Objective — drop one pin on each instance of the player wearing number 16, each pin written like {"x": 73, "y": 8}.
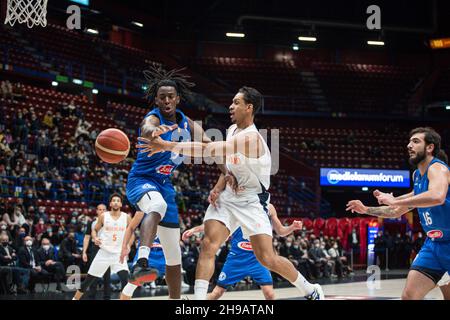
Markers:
{"x": 431, "y": 197}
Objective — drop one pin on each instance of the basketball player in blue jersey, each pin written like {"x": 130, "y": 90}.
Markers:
{"x": 241, "y": 262}
{"x": 431, "y": 197}
{"x": 149, "y": 188}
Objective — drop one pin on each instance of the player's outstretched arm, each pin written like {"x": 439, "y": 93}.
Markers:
{"x": 278, "y": 226}
{"x": 383, "y": 211}
{"x": 248, "y": 144}
{"x": 188, "y": 233}
{"x": 128, "y": 238}
{"x": 438, "y": 176}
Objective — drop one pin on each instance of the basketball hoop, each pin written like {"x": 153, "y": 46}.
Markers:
{"x": 31, "y": 12}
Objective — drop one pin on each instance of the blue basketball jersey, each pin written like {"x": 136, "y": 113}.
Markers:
{"x": 239, "y": 245}
{"x": 435, "y": 220}
{"x": 161, "y": 165}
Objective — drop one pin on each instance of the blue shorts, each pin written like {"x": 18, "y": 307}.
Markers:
{"x": 236, "y": 269}
{"x": 433, "y": 259}
{"x": 139, "y": 186}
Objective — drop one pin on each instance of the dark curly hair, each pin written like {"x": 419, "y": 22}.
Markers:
{"x": 158, "y": 77}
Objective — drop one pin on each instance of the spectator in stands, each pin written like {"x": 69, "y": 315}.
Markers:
{"x": 29, "y": 259}
{"x": 68, "y": 252}
{"x": 20, "y": 234}
{"x": 39, "y": 229}
{"x": 320, "y": 260}
{"x": 380, "y": 249}
{"x": 82, "y": 129}
{"x": 57, "y": 120}
{"x": 333, "y": 251}
{"x": 35, "y": 124}
{"x": 8, "y": 258}
{"x": 7, "y": 90}
{"x": 47, "y": 261}
{"x": 48, "y": 120}
{"x": 190, "y": 253}
{"x": 408, "y": 248}
{"x": 353, "y": 241}
{"x": 72, "y": 108}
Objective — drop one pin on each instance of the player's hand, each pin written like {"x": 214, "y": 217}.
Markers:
{"x": 297, "y": 225}
{"x": 386, "y": 199}
{"x": 85, "y": 257}
{"x": 152, "y": 146}
{"x": 356, "y": 206}
{"x": 231, "y": 180}
{"x": 98, "y": 241}
{"x": 213, "y": 197}
{"x": 163, "y": 129}
{"x": 187, "y": 234}
{"x": 124, "y": 253}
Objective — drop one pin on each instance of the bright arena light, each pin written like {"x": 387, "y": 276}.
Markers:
{"x": 54, "y": 83}
{"x": 309, "y": 39}
{"x": 77, "y": 81}
{"x": 447, "y": 108}
{"x": 235, "y": 34}
{"x": 94, "y": 91}
{"x": 375, "y": 43}
{"x": 93, "y": 31}
{"x": 139, "y": 24}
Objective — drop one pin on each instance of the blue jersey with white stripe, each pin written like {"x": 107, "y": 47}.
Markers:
{"x": 435, "y": 220}
{"x": 161, "y": 165}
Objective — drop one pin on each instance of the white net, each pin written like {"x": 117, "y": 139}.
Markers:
{"x": 31, "y": 12}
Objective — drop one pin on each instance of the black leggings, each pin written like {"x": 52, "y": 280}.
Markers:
{"x": 90, "y": 279}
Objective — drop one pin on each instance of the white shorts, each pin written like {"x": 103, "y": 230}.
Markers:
{"x": 104, "y": 260}
{"x": 250, "y": 215}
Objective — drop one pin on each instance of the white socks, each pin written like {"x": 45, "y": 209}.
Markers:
{"x": 128, "y": 290}
{"x": 303, "y": 285}
{"x": 200, "y": 289}
{"x": 144, "y": 252}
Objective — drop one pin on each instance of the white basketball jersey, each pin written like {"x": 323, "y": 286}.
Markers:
{"x": 252, "y": 174}
{"x": 113, "y": 232}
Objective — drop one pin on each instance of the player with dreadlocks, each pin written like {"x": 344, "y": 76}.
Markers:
{"x": 149, "y": 187}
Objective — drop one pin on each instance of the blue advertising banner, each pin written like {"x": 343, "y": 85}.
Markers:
{"x": 340, "y": 177}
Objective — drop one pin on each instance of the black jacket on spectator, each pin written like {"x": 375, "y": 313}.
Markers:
{"x": 25, "y": 257}
{"x": 66, "y": 248}
{"x": 44, "y": 256}
{"x": 6, "y": 261}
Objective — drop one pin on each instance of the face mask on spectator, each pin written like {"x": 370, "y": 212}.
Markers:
{"x": 46, "y": 247}
{"x": 275, "y": 243}
{"x": 49, "y": 230}
{"x": 4, "y": 227}
{"x": 295, "y": 246}
{"x": 288, "y": 244}
{"x": 60, "y": 233}
{"x": 41, "y": 221}
{"x": 29, "y": 243}
{"x": 22, "y": 234}
{"x": 73, "y": 221}
{"x": 52, "y": 220}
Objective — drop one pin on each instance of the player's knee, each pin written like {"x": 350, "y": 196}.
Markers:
{"x": 408, "y": 294}
{"x": 153, "y": 202}
{"x": 209, "y": 246}
{"x": 268, "y": 260}
{"x": 269, "y": 294}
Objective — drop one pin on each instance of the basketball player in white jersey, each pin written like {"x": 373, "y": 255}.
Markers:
{"x": 248, "y": 159}
{"x": 113, "y": 224}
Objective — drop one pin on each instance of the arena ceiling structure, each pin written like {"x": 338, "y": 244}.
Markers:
{"x": 405, "y": 25}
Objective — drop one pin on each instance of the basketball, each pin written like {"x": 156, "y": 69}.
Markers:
{"x": 112, "y": 145}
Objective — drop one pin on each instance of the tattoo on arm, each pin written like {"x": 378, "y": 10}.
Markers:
{"x": 384, "y": 212}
